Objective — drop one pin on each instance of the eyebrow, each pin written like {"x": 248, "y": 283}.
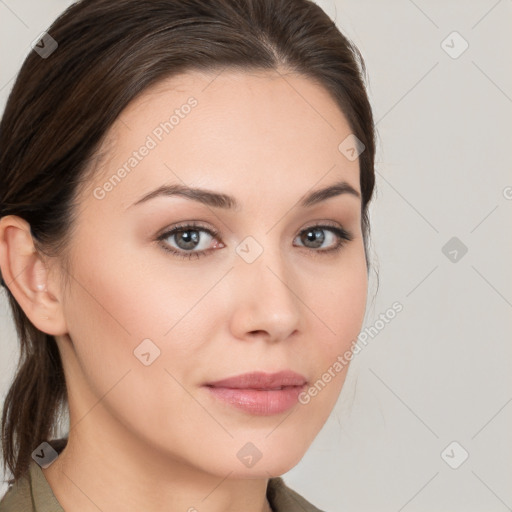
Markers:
{"x": 219, "y": 200}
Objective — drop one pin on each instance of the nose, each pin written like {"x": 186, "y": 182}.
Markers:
{"x": 265, "y": 302}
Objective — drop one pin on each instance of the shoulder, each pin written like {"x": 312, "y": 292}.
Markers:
{"x": 284, "y": 499}
{"x": 32, "y": 493}
{"x": 18, "y": 497}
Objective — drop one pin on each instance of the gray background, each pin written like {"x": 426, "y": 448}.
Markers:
{"x": 439, "y": 372}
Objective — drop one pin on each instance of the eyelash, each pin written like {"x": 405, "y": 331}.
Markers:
{"x": 343, "y": 236}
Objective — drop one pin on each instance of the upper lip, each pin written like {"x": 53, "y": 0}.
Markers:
{"x": 261, "y": 380}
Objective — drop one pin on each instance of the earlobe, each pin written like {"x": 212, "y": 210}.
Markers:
{"x": 26, "y": 275}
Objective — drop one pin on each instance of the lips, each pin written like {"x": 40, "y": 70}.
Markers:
{"x": 259, "y": 393}
{"x": 261, "y": 380}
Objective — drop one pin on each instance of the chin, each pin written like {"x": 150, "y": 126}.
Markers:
{"x": 271, "y": 466}
{"x": 247, "y": 462}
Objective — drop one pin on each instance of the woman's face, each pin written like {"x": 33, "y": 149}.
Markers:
{"x": 248, "y": 288}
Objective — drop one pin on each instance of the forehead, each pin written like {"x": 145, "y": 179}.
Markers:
{"x": 259, "y": 131}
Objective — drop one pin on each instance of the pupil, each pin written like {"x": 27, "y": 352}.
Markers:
{"x": 190, "y": 237}
{"x": 312, "y": 236}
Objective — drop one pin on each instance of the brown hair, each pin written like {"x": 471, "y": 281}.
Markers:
{"x": 61, "y": 107}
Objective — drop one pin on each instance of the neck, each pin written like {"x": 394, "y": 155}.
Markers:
{"x": 115, "y": 474}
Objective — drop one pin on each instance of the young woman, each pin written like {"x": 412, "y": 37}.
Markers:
{"x": 184, "y": 189}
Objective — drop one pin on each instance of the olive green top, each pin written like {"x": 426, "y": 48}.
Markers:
{"x": 32, "y": 493}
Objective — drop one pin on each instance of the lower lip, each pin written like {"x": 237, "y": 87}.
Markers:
{"x": 259, "y": 402}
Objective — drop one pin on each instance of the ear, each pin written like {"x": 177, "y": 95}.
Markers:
{"x": 26, "y": 275}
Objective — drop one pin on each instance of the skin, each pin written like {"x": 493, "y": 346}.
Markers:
{"x": 151, "y": 437}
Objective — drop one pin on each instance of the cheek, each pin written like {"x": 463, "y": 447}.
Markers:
{"x": 339, "y": 300}
{"x": 118, "y": 300}
{"x": 336, "y": 321}
{"x": 121, "y": 309}
{"x": 109, "y": 316}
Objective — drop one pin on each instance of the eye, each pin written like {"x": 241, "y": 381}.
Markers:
{"x": 188, "y": 238}
{"x": 315, "y": 236}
